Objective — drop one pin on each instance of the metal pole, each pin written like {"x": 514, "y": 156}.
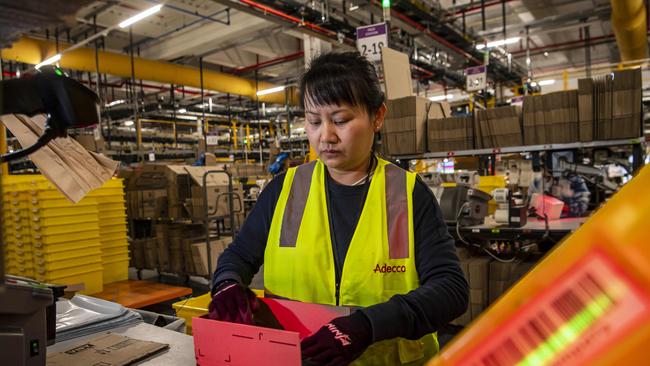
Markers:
{"x": 205, "y": 129}
{"x": 257, "y": 106}
{"x": 587, "y": 52}
{"x": 138, "y": 125}
{"x": 286, "y": 105}
{"x": 483, "y": 14}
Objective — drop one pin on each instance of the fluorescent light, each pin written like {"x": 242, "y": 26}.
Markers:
{"x": 271, "y": 90}
{"x": 128, "y": 123}
{"x": 182, "y": 110}
{"x": 354, "y": 7}
{"x": 533, "y": 84}
{"x": 114, "y": 103}
{"x": 49, "y": 61}
{"x": 545, "y": 53}
{"x": 138, "y": 17}
{"x": 527, "y": 60}
{"x": 440, "y": 98}
{"x": 546, "y": 82}
{"x": 501, "y": 42}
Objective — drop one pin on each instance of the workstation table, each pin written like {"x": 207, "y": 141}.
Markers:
{"x": 137, "y": 294}
{"x": 534, "y": 229}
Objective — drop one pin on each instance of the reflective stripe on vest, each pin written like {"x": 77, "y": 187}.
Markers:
{"x": 380, "y": 263}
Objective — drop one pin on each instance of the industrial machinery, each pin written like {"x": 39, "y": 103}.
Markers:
{"x": 597, "y": 176}
{"x": 463, "y": 205}
{"x": 24, "y": 330}
{"x": 507, "y": 212}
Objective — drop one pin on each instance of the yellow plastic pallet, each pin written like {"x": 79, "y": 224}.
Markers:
{"x": 66, "y": 229}
{"x": 69, "y": 271}
{"x": 45, "y": 239}
{"x": 67, "y": 254}
{"x": 92, "y": 280}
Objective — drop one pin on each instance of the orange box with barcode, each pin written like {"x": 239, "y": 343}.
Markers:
{"x": 586, "y": 303}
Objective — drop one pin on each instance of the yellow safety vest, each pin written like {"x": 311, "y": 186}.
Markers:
{"x": 299, "y": 261}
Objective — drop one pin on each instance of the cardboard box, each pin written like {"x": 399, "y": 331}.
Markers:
{"x": 106, "y": 349}
{"x": 500, "y": 127}
{"x": 91, "y": 143}
{"x": 200, "y": 254}
{"x": 449, "y": 134}
{"x": 586, "y": 109}
{"x": 150, "y": 253}
{"x": 405, "y": 128}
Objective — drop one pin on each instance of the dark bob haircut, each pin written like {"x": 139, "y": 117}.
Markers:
{"x": 341, "y": 78}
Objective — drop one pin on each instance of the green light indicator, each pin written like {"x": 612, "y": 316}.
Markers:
{"x": 58, "y": 72}
{"x": 385, "y": 3}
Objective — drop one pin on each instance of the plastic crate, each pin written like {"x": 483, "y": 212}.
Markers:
{"x": 20, "y": 271}
{"x": 111, "y": 244}
{"x": 67, "y": 229}
{"x": 85, "y": 235}
{"x": 116, "y": 250}
{"x": 196, "y": 307}
{"x": 20, "y": 263}
{"x": 92, "y": 280}
{"x": 107, "y": 192}
{"x": 113, "y": 234}
{"x": 17, "y": 244}
{"x": 107, "y": 258}
{"x": 112, "y": 221}
{"x": 46, "y": 249}
{"x": 119, "y": 206}
{"x": 66, "y": 220}
{"x": 88, "y": 266}
{"x": 116, "y": 270}
{"x": 64, "y": 211}
{"x": 47, "y": 264}
{"x": 110, "y": 199}
{"x": 60, "y": 203}
{"x": 62, "y": 255}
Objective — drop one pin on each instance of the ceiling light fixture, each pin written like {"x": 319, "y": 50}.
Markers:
{"x": 182, "y": 110}
{"x": 501, "y": 42}
{"x": 114, "y": 103}
{"x": 271, "y": 90}
{"x": 440, "y": 98}
{"x": 138, "y": 17}
{"x": 128, "y": 123}
{"x": 353, "y": 7}
{"x": 49, "y": 61}
{"x": 546, "y": 82}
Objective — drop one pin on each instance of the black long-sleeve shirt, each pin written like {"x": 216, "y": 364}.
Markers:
{"x": 443, "y": 292}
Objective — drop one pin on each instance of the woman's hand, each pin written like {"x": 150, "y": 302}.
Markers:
{"x": 232, "y": 302}
{"x": 339, "y": 342}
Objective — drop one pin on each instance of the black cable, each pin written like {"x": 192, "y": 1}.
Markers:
{"x": 48, "y": 135}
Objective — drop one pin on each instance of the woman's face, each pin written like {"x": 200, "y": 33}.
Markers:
{"x": 342, "y": 135}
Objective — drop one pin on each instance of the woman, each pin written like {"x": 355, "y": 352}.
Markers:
{"x": 349, "y": 229}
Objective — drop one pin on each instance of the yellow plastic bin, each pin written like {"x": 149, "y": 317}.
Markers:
{"x": 92, "y": 280}
{"x": 84, "y": 235}
{"x": 116, "y": 270}
{"x": 197, "y": 306}
{"x": 487, "y": 184}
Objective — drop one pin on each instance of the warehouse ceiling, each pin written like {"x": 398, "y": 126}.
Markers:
{"x": 264, "y": 38}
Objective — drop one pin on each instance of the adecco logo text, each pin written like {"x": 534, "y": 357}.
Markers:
{"x": 388, "y": 269}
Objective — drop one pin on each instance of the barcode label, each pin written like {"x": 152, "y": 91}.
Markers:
{"x": 585, "y": 310}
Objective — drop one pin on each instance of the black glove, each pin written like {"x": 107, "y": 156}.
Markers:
{"x": 339, "y": 342}
{"x": 232, "y": 302}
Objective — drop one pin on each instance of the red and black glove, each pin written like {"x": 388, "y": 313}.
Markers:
{"x": 339, "y": 342}
{"x": 232, "y": 302}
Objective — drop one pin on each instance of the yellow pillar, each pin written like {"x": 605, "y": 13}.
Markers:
{"x": 248, "y": 137}
{"x": 138, "y": 134}
{"x": 565, "y": 79}
{"x": 3, "y": 148}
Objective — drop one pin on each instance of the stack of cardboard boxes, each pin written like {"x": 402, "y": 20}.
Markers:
{"x": 617, "y": 105}
{"x": 453, "y": 133}
{"x": 498, "y": 127}
{"x": 487, "y": 280}
{"x": 551, "y": 118}
{"x": 405, "y": 126}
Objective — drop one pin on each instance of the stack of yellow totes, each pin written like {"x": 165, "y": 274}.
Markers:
{"x": 53, "y": 240}
{"x": 113, "y": 230}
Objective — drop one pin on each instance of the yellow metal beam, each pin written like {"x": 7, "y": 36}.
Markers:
{"x": 33, "y": 51}
{"x": 3, "y": 148}
{"x": 630, "y": 29}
